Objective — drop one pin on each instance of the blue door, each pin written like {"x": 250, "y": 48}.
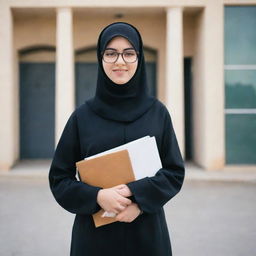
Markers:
{"x": 86, "y": 78}
{"x": 37, "y": 110}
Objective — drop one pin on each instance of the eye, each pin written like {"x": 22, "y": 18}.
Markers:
{"x": 110, "y": 53}
{"x": 130, "y": 53}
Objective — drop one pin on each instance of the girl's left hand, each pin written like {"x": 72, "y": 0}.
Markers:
{"x": 129, "y": 214}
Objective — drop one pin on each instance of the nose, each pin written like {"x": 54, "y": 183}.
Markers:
{"x": 120, "y": 60}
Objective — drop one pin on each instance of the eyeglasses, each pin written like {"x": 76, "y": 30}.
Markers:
{"x": 111, "y": 56}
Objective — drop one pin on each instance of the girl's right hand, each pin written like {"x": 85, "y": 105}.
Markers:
{"x": 111, "y": 201}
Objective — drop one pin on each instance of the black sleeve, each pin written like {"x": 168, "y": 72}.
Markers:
{"x": 151, "y": 193}
{"x": 73, "y": 195}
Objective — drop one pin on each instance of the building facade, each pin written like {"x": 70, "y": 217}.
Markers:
{"x": 200, "y": 57}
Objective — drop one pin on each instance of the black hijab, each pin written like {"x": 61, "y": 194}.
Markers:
{"x": 125, "y": 102}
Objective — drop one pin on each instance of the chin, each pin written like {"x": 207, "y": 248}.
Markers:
{"x": 119, "y": 82}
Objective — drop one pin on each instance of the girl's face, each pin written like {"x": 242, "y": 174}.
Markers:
{"x": 120, "y": 72}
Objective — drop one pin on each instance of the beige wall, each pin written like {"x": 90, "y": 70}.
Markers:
{"x": 34, "y": 30}
{"x": 119, "y": 3}
{"x": 189, "y": 29}
{"x": 106, "y": 3}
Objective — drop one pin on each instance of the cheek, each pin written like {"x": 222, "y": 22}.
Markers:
{"x": 106, "y": 67}
{"x": 133, "y": 68}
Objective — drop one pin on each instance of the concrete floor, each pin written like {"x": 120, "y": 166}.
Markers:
{"x": 208, "y": 217}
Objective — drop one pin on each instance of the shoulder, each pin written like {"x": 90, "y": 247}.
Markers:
{"x": 79, "y": 111}
{"x": 77, "y": 115}
{"x": 161, "y": 108}
{"x": 163, "y": 113}
{"x": 159, "y": 104}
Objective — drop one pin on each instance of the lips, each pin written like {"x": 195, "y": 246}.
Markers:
{"x": 120, "y": 72}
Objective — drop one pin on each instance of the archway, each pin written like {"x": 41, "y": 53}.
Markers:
{"x": 37, "y": 102}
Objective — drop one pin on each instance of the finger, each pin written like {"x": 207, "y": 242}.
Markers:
{"x": 121, "y": 186}
{"x": 121, "y": 192}
{"x": 119, "y": 208}
{"x": 126, "y": 201}
{"x": 124, "y": 205}
{"x": 125, "y": 192}
{"x": 123, "y": 198}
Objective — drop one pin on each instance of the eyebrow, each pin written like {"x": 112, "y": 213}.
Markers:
{"x": 108, "y": 48}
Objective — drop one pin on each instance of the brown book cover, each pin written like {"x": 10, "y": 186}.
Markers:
{"x": 106, "y": 171}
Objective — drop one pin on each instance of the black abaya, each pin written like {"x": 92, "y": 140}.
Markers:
{"x": 90, "y": 130}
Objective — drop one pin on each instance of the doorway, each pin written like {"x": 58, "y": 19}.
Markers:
{"x": 37, "y": 103}
{"x": 188, "y": 109}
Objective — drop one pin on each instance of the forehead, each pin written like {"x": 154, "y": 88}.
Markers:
{"x": 119, "y": 42}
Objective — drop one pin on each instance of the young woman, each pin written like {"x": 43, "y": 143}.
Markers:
{"x": 121, "y": 111}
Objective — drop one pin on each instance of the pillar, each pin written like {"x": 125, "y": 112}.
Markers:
{"x": 65, "y": 99}
{"x": 208, "y": 88}
{"x": 8, "y": 92}
{"x": 174, "y": 71}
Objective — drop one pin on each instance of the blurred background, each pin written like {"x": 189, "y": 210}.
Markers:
{"x": 201, "y": 62}
{"x": 200, "y": 57}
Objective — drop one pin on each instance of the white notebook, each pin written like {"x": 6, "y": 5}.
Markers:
{"x": 144, "y": 156}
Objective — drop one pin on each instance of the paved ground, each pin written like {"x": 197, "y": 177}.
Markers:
{"x": 207, "y": 218}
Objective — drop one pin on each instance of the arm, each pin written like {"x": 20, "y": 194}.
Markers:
{"x": 151, "y": 193}
{"x": 71, "y": 194}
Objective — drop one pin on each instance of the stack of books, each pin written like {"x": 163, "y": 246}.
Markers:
{"x": 121, "y": 165}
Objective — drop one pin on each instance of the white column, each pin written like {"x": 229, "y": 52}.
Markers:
{"x": 8, "y": 92}
{"x": 174, "y": 71}
{"x": 208, "y": 88}
{"x": 64, "y": 69}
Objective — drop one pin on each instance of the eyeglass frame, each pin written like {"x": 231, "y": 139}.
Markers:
{"x": 118, "y": 54}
